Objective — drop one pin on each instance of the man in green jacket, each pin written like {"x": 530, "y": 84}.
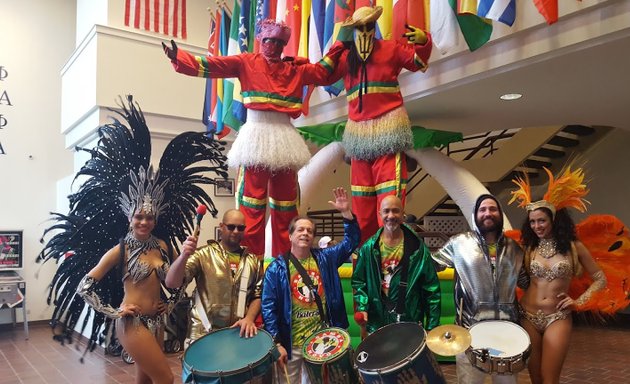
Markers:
{"x": 394, "y": 278}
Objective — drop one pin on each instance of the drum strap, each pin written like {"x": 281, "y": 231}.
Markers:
{"x": 201, "y": 311}
{"x": 242, "y": 289}
{"x": 309, "y": 283}
{"x": 402, "y": 286}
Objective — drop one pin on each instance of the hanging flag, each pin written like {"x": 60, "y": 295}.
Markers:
{"x": 499, "y": 10}
{"x": 317, "y": 26}
{"x": 476, "y": 30}
{"x": 217, "y": 114}
{"x": 208, "y": 104}
{"x": 231, "y": 86}
{"x": 444, "y": 28}
{"x": 290, "y": 11}
{"x": 385, "y": 21}
{"x": 411, "y": 12}
{"x": 337, "y": 11}
{"x": 549, "y": 10}
{"x": 167, "y": 17}
{"x": 399, "y": 18}
{"x": 245, "y": 45}
{"x": 305, "y": 13}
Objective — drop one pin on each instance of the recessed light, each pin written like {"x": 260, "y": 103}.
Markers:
{"x": 511, "y": 96}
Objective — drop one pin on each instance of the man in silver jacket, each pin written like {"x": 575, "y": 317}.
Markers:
{"x": 488, "y": 267}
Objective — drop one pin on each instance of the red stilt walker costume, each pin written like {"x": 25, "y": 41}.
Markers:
{"x": 378, "y": 130}
{"x": 268, "y": 150}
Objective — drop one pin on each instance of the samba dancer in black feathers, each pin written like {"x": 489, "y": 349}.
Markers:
{"x": 125, "y": 209}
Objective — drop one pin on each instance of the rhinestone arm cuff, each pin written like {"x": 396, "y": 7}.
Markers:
{"x": 86, "y": 289}
{"x": 599, "y": 283}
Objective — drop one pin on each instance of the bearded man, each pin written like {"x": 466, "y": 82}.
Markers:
{"x": 488, "y": 268}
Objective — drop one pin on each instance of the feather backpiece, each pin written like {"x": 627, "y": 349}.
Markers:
{"x": 96, "y": 219}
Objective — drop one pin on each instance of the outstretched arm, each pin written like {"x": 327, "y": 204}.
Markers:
{"x": 341, "y": 203}
{"x": 171, "y": 52}
{"x": 417, "y": 58}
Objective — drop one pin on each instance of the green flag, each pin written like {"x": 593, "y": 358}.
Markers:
{"x": 476, "y": 30}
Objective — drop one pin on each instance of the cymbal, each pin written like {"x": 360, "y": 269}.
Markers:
{"x": 448, "y": 340}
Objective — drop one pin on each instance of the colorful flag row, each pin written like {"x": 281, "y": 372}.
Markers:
{"x": 316, "y": 24}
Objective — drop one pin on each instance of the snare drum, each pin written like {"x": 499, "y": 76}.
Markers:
{"x": 327, "y": 357}
{"x": 224, "y": 357}
{"x": 397, "y": 353}
{"x": 498, "y": 347}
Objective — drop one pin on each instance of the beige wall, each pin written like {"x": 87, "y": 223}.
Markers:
{"x": 37, "y": 39}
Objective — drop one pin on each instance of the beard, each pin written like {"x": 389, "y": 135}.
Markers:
{"x": 489, "y": 227}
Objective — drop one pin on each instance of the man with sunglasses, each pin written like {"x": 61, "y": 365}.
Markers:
{"x": 220, "y": 269}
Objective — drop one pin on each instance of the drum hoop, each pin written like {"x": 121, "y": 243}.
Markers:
{"x": 200, "y": 372}
{"x": 338, "y": 357}
{"x": 334, "y": 360}
{"x": 396, "y": 366}
{"x": 511, "y": 323}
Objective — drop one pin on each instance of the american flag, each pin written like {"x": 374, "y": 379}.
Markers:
{"x": 167, "y": 17}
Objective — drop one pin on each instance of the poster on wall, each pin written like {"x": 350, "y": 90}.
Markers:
{"x": 10, "y": 250}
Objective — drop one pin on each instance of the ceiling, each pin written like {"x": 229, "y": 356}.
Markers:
{"x": 576, "y": 71}
{"x": 588, "y": 86}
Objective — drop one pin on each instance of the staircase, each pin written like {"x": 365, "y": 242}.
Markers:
{"x": 552, "y": 153}
{"x": 497, "y": 156}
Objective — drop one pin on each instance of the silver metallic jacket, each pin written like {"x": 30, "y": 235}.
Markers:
{"x": 485, "y": 293}
{"x": 217, "y": 289}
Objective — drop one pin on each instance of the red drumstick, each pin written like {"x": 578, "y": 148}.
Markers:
{"x": 358, "y": 317}
{"x": 201, "y": 210}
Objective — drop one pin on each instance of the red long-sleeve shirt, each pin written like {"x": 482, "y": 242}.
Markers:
{"x": 385, "y": 63}
{"x": 265, "y": 86}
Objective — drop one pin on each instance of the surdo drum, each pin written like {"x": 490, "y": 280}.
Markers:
{"x": 397, "y": 353}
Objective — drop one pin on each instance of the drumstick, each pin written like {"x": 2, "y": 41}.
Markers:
{"x": 461, "y": 307}
{"x": 286, "y": 374}
{"x": 201, "y": 210}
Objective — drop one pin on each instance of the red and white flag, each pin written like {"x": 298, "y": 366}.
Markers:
{"x": 167, "y": 17}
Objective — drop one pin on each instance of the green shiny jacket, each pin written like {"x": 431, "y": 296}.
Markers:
{"x": 422, "y": 303}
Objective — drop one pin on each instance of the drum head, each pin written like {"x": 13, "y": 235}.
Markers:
{"x": 326, "y": 345}
{"x": 501, "y": 338}
{"x": 389, "y": 346}
{"x": 225, "y": 351}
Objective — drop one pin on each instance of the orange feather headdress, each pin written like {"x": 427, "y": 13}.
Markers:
{"x": 566, "y": 190}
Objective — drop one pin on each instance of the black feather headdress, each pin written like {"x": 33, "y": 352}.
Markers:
{"x": 114, "y": 182}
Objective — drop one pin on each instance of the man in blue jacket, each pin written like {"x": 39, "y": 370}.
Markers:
{"x": 293, "y": 307}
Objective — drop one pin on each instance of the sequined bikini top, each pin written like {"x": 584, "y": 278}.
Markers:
{"x": 138, "y": 269}
{"x": 561, "y": 269}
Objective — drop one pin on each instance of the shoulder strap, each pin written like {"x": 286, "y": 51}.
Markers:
{"x": 309, "y": 283}
{"x": 404, "y": 277}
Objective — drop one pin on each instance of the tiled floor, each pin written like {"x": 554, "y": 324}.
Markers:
{"x": 597, "y": 355}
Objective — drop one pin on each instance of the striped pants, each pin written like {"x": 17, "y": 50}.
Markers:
{"x": 371, "y": 182}
{"x": 256, "y": 187}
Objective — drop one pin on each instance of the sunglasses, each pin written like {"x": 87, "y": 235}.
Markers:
{"x": 231, "y": 227}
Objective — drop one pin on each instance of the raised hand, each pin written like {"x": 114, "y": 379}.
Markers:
{"x": 415, "y": 35}
{"x": 189, "y": 246}
{"x": 171, "y": 52}
{"x": 341, "y": 203}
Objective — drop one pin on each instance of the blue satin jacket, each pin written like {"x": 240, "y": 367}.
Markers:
{"x": 276, "y": 294}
